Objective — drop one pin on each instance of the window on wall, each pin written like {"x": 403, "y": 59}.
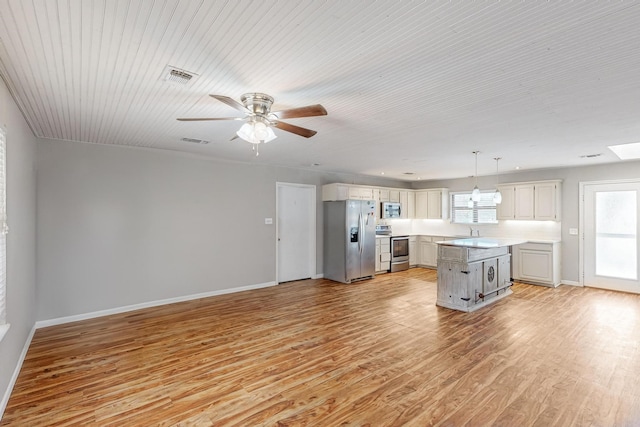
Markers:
{"x": 3, "y": 234}
{"x": 466, "y": 211}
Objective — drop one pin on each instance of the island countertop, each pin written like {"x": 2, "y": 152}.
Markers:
{"x": 482, "y": 242}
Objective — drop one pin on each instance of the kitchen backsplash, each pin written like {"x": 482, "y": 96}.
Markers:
{"x": 541, "y": 230}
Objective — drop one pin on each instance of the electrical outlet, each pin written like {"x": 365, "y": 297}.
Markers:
{"x": 573, "y": 231}
{"x": 268, "y": 221}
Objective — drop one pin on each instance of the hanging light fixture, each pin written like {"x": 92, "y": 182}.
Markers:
{"x": 497, "y": 196}
{"x": 256, "y": 132}
{"x": 475, "y": 194}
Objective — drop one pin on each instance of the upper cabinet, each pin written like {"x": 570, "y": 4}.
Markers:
{"x": 539, "y": 201}
{"x": 432, "y": 204}
{"x": 346, "y": 192}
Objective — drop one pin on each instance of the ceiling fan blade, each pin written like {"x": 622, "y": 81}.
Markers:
{"x": 190, "y": 119}
{"x": 308, "y": 111}
{"x": 231, "y": 103}
{"x": 307, "y": 133}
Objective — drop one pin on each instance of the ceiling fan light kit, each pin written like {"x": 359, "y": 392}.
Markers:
{"x": 260, "y": 120}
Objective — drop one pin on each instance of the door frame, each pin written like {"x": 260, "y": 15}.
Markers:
{"x": 581, "y": 207}
{"x": 312, "y": 263}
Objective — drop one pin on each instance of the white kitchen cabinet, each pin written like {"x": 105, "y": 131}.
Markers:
{"x": 546, "y": 207}
{"x": 432, "y": 204}
{"x": 428, "y": 251}
{"x": 394, "y": 196}
{"x": 383, "y": 254}
{"x": 539, "y": 201}
{"x": 411, "y": 205}
{"x": 524, "y": 200}
{"x": 506, "y": 209}
{"x": 404, "y": 204}
{"x": 413, "y": 251}
{"x": 338, "y": 191}
{"x": 384, "y": 194}
{"x": 537, "y": 263}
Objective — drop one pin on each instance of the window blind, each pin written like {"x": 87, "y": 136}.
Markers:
{"x": 3, "y": 228}
{"x": 463, "y": 211}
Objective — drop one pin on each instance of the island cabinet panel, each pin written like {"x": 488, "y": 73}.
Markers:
{"x": 461, "y": 282}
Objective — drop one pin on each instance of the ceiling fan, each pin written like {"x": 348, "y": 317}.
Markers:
{"x": 259, "y": 119}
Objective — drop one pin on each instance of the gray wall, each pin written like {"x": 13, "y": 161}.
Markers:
{"x": 572, "y": 177}
{"x": 120, "y": 226}
{"x": 21, "y": 240}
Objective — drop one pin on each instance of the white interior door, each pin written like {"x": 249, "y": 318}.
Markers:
{"x": 611, "y": 244}
{"x": 296, "y": 231}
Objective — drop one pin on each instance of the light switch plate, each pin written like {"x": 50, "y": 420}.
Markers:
{"x": 268, "y": 221}
{"x": 573, "y": 231}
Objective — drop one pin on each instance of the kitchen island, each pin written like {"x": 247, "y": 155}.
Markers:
{"x": 474, "y": 272}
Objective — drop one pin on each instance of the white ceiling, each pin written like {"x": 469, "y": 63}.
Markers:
{"x": 409, "y": 86}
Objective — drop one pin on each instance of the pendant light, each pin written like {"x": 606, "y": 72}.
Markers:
{"x": 475, "y": 194}
{"x": 497, "y": 196}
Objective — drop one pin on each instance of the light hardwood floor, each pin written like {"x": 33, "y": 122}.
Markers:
{"x": 316, "y": 352}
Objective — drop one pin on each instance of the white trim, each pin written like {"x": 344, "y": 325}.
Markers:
{"x": 124, "y": 309}
{"x": 318, "y": 276}
{"x": 571, "y": 283}
{"x": 16, "y": 372}
{"x": 312, "y": 232}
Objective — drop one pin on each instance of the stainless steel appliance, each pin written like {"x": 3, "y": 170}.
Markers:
{"x": 349, "y": 240}
{"x": 390, "y": 210}
{"x": 399, "y": 253}
{"x": 383, "y": 230}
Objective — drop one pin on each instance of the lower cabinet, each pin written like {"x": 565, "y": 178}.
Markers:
{"x": 383, "y": 254}
{"x": 413, "y": 251}
{"x": 537, "y": 263}
{"x": 428, "y": 251}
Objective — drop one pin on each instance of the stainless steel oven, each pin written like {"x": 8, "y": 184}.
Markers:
{"x": 399, "y": 253}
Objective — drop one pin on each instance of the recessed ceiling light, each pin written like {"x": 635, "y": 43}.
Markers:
{"x": 381, "y": 173}
{"x": 626, "y": 151}
{"x": 517, "y": 167}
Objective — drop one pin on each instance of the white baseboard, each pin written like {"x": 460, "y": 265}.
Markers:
{"x": 118, "y": 310}
{"x": 16, "y": 372}
{"x": 570, "y": 283}
{"x": 318, "y": 276}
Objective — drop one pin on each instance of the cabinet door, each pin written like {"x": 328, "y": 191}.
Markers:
{"x": 411, "y": 204}
{"x": 366, "y": 193}
{"x": 384, "y": 195}
{"x": 524, "y": 200}
{"x": 394, "y": 196}
{"x": 545, "y": 202}
{"x": 506, "y": 209}
{"x": 434, "y": 204}
{"x": 421, "y": 204}
{"x": 404, "y": 204}
{"x": 377, "y": 254}
{"x": 413, "y": 254}
{"x": 536, "y": 266}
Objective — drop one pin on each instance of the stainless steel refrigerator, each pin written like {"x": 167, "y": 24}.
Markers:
{"x": 349, "y": 240}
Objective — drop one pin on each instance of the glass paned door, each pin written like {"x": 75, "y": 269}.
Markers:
{"x": 611, "y": 245}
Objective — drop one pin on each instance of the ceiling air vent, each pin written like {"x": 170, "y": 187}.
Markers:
{"x": 194, "y": 141}
{"x": 177, "y": 76}
{"x": 591, "y": 156}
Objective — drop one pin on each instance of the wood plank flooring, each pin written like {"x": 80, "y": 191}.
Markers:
{"x": 315, "y": 352}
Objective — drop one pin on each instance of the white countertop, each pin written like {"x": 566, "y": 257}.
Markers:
{"x": 482, "y": 242}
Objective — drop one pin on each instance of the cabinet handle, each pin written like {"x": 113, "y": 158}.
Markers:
{"x": 465, "y": 299}
{"x": 464, "y": 272}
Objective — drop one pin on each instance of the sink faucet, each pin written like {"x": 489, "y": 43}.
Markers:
{"x": 471, "y": 230}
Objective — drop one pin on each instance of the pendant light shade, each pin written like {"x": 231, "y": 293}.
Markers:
{"x": 497, "y": 196}
{"x": 256, "y": 132}
{"x": 475, "y": 194}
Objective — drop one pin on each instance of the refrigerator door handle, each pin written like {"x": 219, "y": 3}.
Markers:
{"x": 360, "y": 230}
